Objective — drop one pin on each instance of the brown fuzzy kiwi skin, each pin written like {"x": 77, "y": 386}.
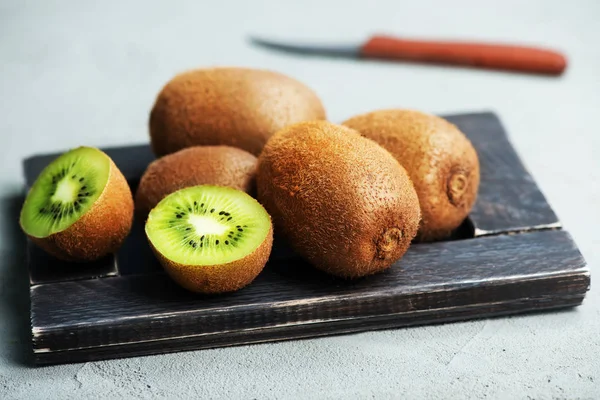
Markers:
{"x": 342, "y": 201}
{"x": 440, "y": 159}
{"x": 223, "y": 278}
{"x": 101, "y": 230}
{"x": 198, "y": 165}
{"x": 238, "y": 107}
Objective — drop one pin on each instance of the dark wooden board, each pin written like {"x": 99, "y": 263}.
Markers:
{"x": 510, "y": 256}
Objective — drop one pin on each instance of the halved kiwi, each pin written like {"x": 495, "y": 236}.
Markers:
{"x": 210, "y": 239}
{"x": 80, "y": 207}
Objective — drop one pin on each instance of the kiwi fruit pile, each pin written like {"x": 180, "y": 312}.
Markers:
{"x": 245, "y": 153}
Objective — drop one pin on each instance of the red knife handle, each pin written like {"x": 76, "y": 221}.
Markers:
{"x": 493, "y": 56}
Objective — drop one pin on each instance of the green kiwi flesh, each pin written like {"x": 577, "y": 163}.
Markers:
{"x": 207, "y": 225}
{"x": 64, "y": 191}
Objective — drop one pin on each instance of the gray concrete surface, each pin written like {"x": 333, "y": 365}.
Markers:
{"x": 86, "y": 72}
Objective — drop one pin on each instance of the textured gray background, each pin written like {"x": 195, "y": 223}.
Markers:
{"x": 86, "y": 72}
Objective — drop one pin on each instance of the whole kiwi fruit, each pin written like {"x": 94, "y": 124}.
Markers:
{"x": 238, "y": 107}
{"x": 210, "y": 239}
{"x": 342, "y": 201}
{"x": 80, "y": 207}
{"x": 198, "y": 165}
{"x": 439, "y": 158}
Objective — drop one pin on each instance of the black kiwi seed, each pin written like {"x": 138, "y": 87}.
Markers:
{"x": 83, "y": 187}
{"x": 74, "y": 176}
{"x": 227, "y": 242}
{"x": 212, "y": 211}
{"x": 195, "y": 203}
{"x": 217, "y": 241}
{"x": 229, "y": 219}
{"x": 202, "y": 238}
{"x": 189, "y": 209}
{"x": 178, "y": 216}
{"x": 202, "y": 205}
{"x": 240, "y": 230}
{"x": 236, "y": 239}
{"x": 221, "y": 212}
{"x": 188, "y": 229}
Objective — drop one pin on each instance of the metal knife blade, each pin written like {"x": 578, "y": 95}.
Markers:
{"x": 309, "y": 49}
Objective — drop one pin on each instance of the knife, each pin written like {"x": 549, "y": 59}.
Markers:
{"x": 473, "y": 54}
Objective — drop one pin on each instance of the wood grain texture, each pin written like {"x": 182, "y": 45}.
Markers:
{"x": 311, "y": 330}
{"x": 433, "y": 283}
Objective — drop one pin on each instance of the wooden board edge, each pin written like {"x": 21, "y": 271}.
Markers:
{"x": 574, "y": 286}
{"x": 268, "y": 335}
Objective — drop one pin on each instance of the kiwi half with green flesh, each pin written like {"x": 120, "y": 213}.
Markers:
{"x": 342, "y": 201}
{"x": 193, "y": 166}
{"x": 240, "y": 107}
{"x": 210, "y": 239}
{"x": 80, "y": 207}
{"x": 440, "y": 160}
